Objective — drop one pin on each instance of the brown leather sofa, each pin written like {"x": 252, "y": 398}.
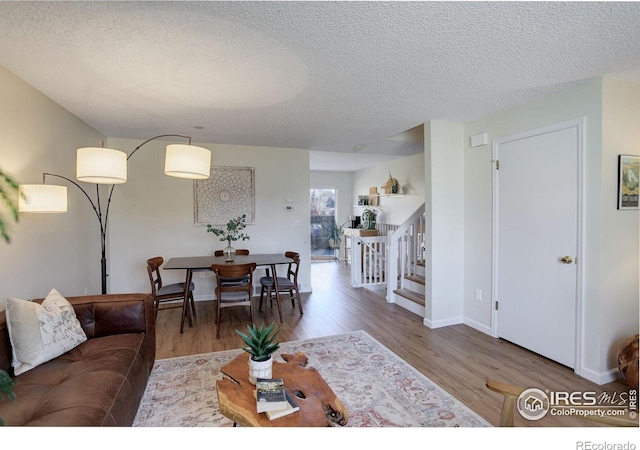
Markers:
{"x": 98, "y": 383}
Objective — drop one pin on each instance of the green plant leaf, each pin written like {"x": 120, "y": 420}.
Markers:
{"x": 7, "y": 186}
{"x": 233, "y": 230}
{"x": 261, "y": 341}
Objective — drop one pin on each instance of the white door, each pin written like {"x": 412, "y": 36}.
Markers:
{"x": 536, "y": 238}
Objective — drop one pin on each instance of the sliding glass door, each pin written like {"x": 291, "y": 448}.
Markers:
{"x": 323, "y": 218}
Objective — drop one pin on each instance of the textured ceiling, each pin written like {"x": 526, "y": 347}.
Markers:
{"x": 325, "y": 76}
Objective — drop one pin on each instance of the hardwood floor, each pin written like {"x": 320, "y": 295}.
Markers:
{"x": 458, "y": 358}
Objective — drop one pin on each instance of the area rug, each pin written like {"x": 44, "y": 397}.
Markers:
{"x": 378, "y": 388}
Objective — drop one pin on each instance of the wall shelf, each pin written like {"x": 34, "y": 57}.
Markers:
{"x": 387, "y": 195}
{"x": 378, "y": 195}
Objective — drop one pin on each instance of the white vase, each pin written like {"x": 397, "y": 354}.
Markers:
{"x": 259, "y": 369}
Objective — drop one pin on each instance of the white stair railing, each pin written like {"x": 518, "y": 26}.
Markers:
{"x": 368, "y": 262}
{"x": 406, "y": 251}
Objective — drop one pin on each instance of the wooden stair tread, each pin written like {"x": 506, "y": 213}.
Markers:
{"x": 415, "y": 278}
{"x": 411, "y": 295}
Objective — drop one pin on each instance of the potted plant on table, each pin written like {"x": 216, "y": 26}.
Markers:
{"x": 369, "y": 216}
{"x": 233, "y": 232}
{"x": 261, "y": 343}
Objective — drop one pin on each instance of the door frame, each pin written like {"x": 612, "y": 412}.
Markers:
{"x": 579, "y": 125}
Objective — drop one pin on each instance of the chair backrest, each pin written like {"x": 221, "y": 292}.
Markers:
{"x": 226, "y": 271}
{"x": 292, "y": 271}
{"x": 239, "y": 251}
{"x": 153, "y": 269}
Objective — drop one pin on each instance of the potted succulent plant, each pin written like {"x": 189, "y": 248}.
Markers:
{"x": 233, "y": 232}
{"x": 261, "y": 343}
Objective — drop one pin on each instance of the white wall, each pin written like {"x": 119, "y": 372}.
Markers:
{"x": 444, "y": 208}
{"x": 620, "y": 291}
{"x": 603, "y": 225}
{"x": 409, "y": 171}
{"x": 47, "y": 250}
{"x": 152, "y": 214}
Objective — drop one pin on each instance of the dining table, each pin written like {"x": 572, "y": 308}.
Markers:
{"x": 203, "y": 263}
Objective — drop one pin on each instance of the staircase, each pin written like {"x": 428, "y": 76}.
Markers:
{"x": 406, "y": 264}
{"x": 395, "y": 261}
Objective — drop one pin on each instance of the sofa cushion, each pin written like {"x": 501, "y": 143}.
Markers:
{"x": 98, "y": 383}
{"x": 39, "y": 333}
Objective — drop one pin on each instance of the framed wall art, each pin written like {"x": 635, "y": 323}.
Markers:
{"x": 229, "y": 192}
{"x": 628, "y": 177}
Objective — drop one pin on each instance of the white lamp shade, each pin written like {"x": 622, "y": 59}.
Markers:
{"x": 187, "y": 161}
{"x": 101, "y": 165}
{"x": 42, "y": 198}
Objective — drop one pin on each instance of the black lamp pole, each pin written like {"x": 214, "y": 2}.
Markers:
{"x": 103, "y": 220}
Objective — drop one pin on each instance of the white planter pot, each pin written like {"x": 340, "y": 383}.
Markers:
{"x": 259, "y": 369}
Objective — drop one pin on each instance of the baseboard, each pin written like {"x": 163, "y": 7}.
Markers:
{"x": 599, "y": 378}
{"x": 477, "y": 326}
{"x": 442, "y": 323}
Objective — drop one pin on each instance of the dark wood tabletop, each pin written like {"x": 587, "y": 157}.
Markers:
{"x": 319, "y": 406}
{"x": 205, "y": 262}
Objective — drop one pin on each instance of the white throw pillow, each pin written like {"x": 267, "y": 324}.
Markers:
{"x": 40, "y": 333}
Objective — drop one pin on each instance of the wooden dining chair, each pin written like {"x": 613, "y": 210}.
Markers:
{"x": 233, "y": 294}
{"x": 288, "y": 283}
{"x": 240, "y": 251}
{"x": 166, "y": 295}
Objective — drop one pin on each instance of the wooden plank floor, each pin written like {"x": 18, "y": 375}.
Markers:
{"x": 458, "y": 358}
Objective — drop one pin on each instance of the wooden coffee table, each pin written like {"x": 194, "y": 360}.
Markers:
{"x": 319, "y": 406}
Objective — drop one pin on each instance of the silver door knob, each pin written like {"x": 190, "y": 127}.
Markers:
{"x": 566, "y": 260}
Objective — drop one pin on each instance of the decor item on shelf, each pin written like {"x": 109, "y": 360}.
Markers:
{"x": 369, "y": 218}
{"x": 7, "y": 187}
{"x": 374, "y": 197}
{"x": 261, "y": 342}
{"x": 6, "y": 388}
{"x": 100, "y": 165}
{"x": 391, "y": 186}
{"x": 232, "y": 233}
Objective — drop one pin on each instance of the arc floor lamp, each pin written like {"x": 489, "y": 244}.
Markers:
{"x": 99, "y": 165}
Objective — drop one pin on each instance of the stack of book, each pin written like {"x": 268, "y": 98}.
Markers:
{"x": 273, "y": 399}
